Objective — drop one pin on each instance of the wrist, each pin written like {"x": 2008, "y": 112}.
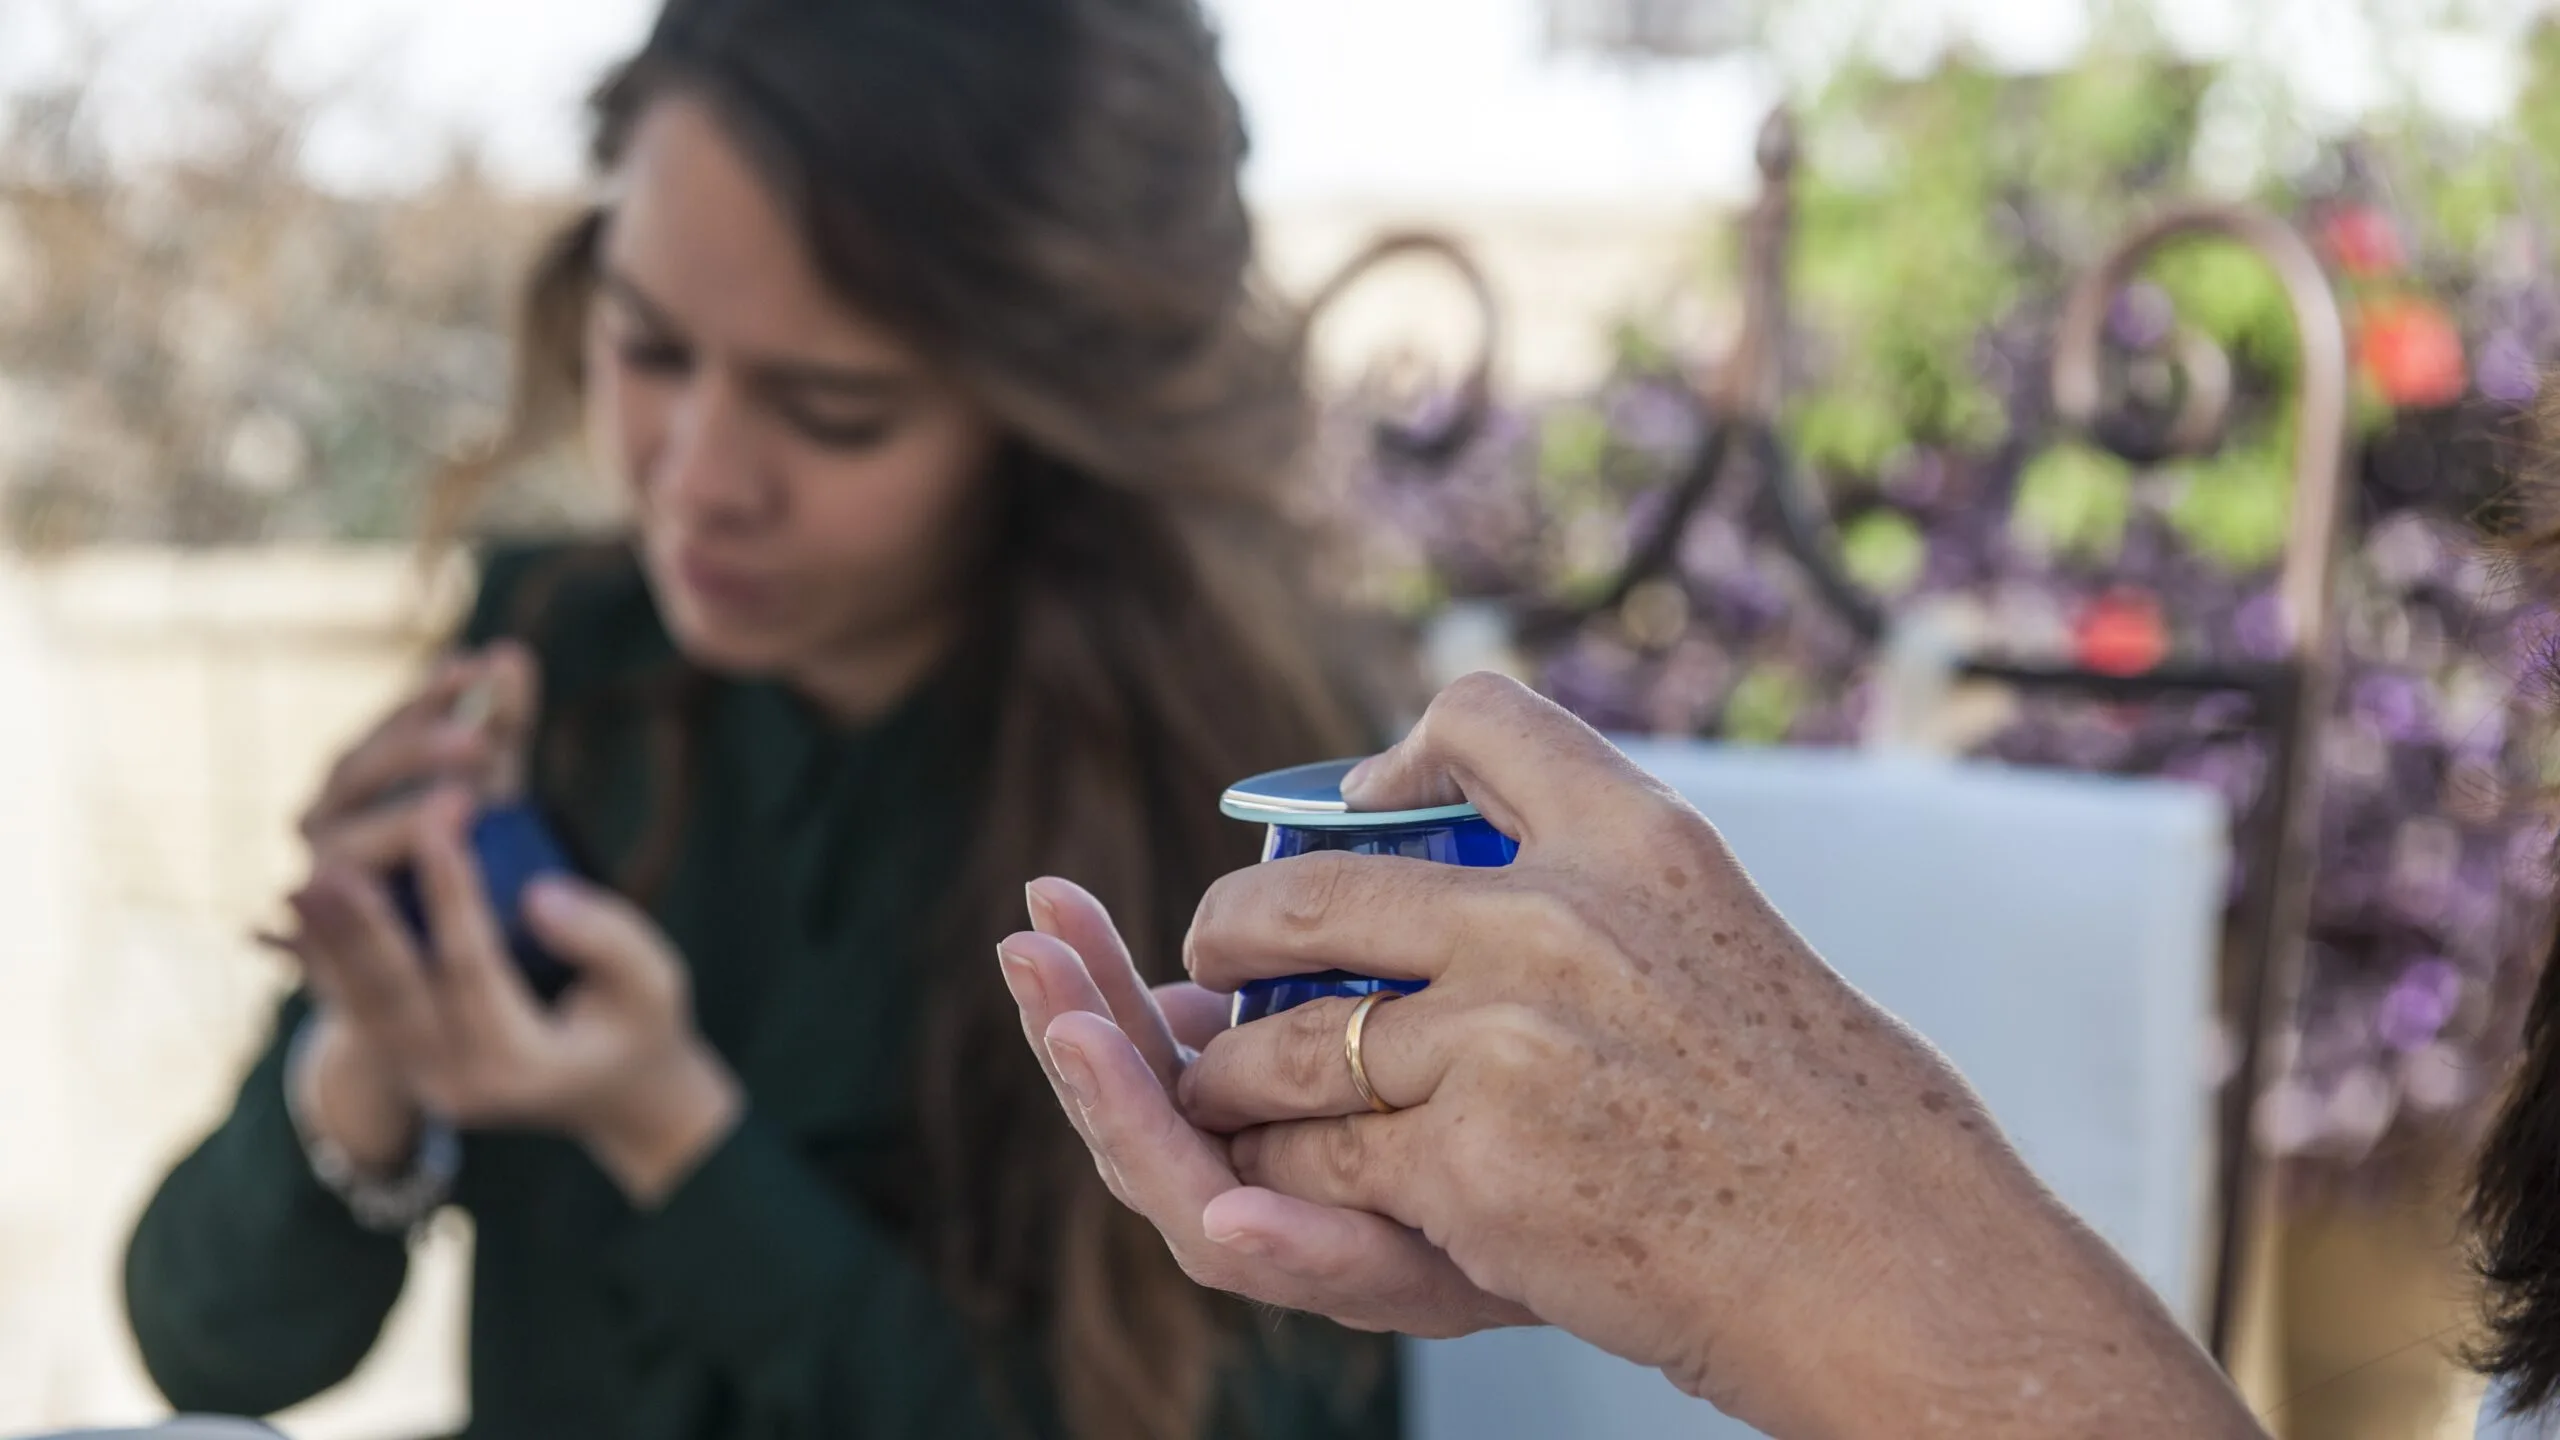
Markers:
{"x": 662, "y": 1124}
{"x": 346, "y": 1100}
{"x": 388, "y": 1190}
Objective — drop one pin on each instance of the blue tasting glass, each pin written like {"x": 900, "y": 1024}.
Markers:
{"x": 514, "y": 848}
{"x": 1305, "y": 813}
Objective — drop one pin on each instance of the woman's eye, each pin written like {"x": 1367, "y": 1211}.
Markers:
{"x": 654, "y": 357}
{"x": 861, "y": 432}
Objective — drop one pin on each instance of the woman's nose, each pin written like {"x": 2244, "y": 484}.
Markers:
{"x": 710, "y": 469}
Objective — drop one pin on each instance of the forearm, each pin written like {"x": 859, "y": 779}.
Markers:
{"x": 248, "y": 1285}
{"x": 1998, "y": 1315}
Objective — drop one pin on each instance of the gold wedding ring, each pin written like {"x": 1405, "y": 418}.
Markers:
{"x": 1351, "y": 1039}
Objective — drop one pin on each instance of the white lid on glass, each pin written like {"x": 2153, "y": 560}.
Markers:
{"x": 1309, "y": 797}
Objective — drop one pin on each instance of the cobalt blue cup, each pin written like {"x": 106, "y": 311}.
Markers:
{"x": 514, "y": 848}
{"x": 1306, "y": 813}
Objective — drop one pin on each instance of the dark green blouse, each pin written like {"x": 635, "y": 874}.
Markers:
{"x": 778, "y": 1292}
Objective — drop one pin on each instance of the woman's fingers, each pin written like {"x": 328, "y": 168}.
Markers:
{"x": 413, "y": 734}
{"x": 1524, "y": 761}
{"x": 469, "y": 723}
{"x": 1197, "y": 1016}
{"x": 1068, "y": 912}
{"x": 1354, "y": 1267}
{"x": 614, "y": 946}
{"x": 1048, "y": 979}
{"x": 1359, "y": 1269}
{"x": 363, "y": 959}
{"x": 1296, "y": 1064}
{"x": 378, "y": 840}
{"x": 1356, "y": 1162}
{"x": 1324, "y": 912}
{"x": 1167, "y": 1170}
{"x": 401, "y": 756}
{"x": 492, "y": 1009}
{"x": 318, "y": 977}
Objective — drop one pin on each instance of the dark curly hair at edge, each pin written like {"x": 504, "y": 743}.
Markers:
{"x": 2515, "y": 1202}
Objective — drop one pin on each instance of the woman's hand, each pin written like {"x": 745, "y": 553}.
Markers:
{"x": 616, "y": 1065}
{"x": 362, "y": 815}
{"x": 1633, "y": 1101}
{"x": 366, "y": 818}
{"x": 1115, "y": 1051}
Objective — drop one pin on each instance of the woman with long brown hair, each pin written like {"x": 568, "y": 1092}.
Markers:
{"x": 922, "y": 336}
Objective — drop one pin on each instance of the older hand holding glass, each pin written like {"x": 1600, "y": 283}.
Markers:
{"x": 1631, "y": 1103}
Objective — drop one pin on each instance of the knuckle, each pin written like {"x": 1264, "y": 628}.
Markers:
{"x": 1515, "y": 1043}
{"x": 1312, "y": 1054}
{"x": 1340, "y": 1156}
{"x": 1306, "y": 901}
{"x": 1665, "y": 823}
{"x": 1546, "y": 923}
{"x": 1475, "y": 693}
{"x": 1211, "y": 920}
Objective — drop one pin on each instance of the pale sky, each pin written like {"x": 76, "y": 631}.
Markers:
{"x": 1418, "y": 100}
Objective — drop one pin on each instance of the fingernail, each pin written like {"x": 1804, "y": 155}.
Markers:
{"x": 1044, "y": 915}
{"x": 454, "y": 805}
{"x": 1358, "y": 774}
{"x": 1243, "y": 1242}
{"x": 318, "y": 903}
{"x": 1020, "y": 977}
{"x": 1074, "y": 1069}
{"x": 552, "y": 900}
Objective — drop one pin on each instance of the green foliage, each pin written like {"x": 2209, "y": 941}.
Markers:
{"x": 1573, "y": 445}
{"x": 2230, "y": 295}
{"x": 1914, "y": 232}
{"x": 1884, "y": 551}
{"x": 2536, "y": 127}
{"x": 1764, "y": 704}
{"x": 2075, "y": 500}
{"x": 1847, "y": 432}
{"x": 2470, "y": 197}
{"x": 2235, "y": 504}
{"x": 1897, "y": 264}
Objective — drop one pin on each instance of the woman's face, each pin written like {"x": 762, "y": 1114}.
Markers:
{"x": 805, "y": 484}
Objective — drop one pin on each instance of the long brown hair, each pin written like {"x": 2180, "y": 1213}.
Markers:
{"x": 1042, "y": 195}
{"x": 2514, "y": 1209}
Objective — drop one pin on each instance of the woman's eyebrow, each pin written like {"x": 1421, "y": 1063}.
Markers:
{"x": 848, "y": 382}
{"x": 852, "y": 382}
{"x": 623, "y": 288}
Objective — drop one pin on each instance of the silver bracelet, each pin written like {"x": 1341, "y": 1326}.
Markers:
{"x": 395, "y": 1204}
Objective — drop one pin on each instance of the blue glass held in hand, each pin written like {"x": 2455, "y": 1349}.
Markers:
{"x": 1306, "y": 812}
{"x": 514, "y": 848}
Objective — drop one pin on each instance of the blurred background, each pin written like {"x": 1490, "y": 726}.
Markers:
{"x": 257, "y": 259}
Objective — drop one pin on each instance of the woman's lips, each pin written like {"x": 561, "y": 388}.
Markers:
{"x": 724, "y": 588}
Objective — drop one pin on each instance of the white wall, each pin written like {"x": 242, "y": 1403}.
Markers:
{"x": 161, "y": 718}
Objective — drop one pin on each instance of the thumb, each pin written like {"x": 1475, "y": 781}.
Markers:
{"x": 1521, "y": 759}
{"x": 604, "y": 937}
